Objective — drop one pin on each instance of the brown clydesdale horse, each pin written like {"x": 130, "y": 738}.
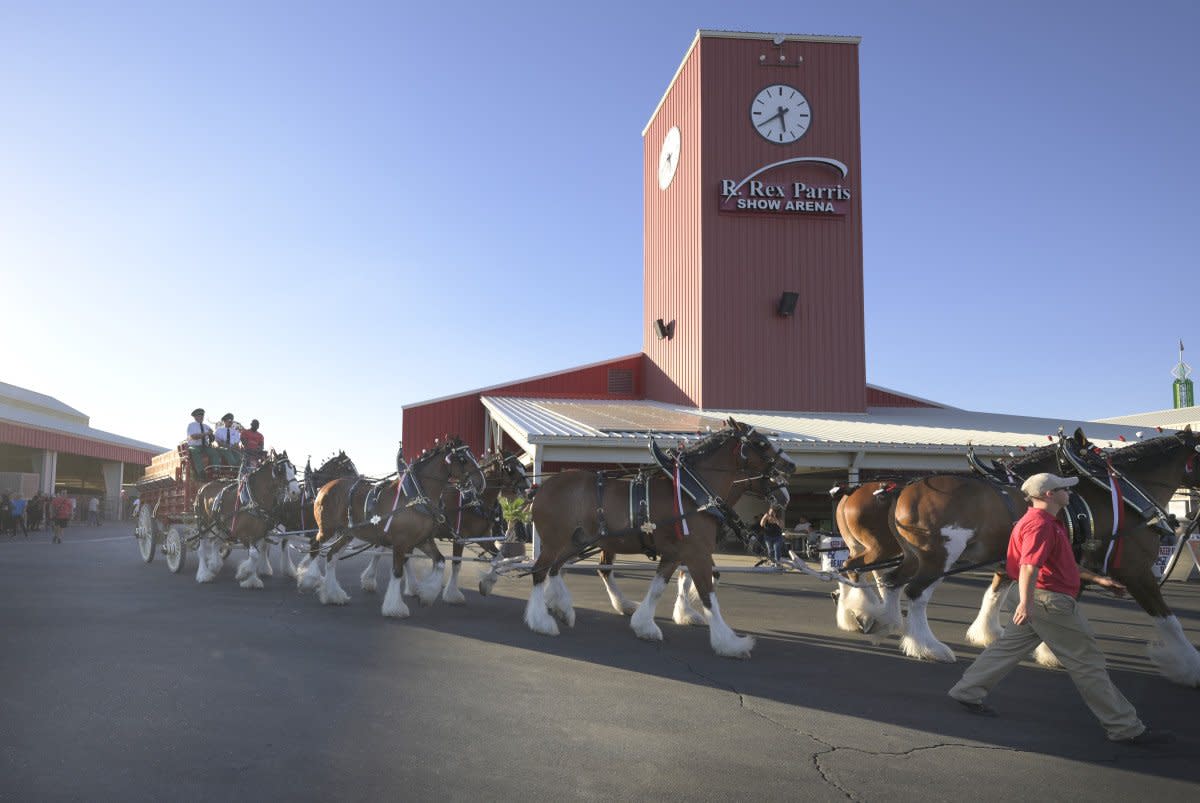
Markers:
{"x": 296, "y": 516}
{"x": 243, "y": 512}
{"x": 568, "y": 516}
{"x": 504, "y": 475}
{"x": 864, "y": 519}
{"x": 941, "y": 519}
{"x": 406, "y": 513}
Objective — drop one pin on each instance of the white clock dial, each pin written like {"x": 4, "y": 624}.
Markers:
{"x": 780, "y": 113}
{"x": 668, "y": 158}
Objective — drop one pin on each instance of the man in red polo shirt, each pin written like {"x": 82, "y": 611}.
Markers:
{"x": 1048, "y": 581}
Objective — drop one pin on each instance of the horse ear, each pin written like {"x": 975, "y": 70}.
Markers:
{"x": 1079, "y": 438}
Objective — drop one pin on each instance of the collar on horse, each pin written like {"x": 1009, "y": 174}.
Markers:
{"x": 1091, "y": 466}
{"x": 685, "y": 481}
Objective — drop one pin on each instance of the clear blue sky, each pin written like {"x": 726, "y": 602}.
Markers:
{"x": 314, "y": 213}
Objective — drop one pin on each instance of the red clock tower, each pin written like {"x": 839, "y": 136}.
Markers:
{"x": 753, "y": 227}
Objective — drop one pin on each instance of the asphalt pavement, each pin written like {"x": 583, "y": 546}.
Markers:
{"x": 125, "y": 682}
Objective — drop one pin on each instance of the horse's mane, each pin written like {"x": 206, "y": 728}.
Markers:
{"x": 710, "y": 443}
{"x": 1037, "y": 455}
{"x": 339, "y": 462}
{"x": 1152, "y": 447}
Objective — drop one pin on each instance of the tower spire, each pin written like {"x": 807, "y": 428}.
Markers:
{"x": 1182, "y": 386}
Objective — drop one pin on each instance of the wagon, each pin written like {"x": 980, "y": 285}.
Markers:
{"x": 165, "y": 520}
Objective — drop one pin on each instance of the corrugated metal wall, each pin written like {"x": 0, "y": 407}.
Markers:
{"x": 463, "y": 415}
{"x": 671, "y": 244}
{"x": 745, "y": 356}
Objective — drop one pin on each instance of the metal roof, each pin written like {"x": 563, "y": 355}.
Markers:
{"x": 28, "y": 409}
{"x": 579, "y": 430}
{"x": 1167, "y": 419}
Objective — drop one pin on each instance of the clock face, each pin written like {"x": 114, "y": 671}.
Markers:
{"x": 668, "y": 158}
{"x": 780, "y": 113}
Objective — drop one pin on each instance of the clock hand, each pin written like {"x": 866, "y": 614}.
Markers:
{"x": 771, "y": 118}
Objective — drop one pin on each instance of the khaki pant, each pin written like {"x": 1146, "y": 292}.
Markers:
{"x": 1055, "y": 619}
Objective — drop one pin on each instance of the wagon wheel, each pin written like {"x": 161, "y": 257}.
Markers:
{"x": 175, "y": 549}
{"x": 144, "y": 531}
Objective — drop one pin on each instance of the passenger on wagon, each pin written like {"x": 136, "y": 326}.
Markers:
{"x": 200, "y": 439}
{"x": 252, "y": 442}
{"x": 229, "y": 440}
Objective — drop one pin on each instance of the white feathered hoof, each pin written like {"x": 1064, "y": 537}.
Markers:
{"x": 643, "y": 625}
{"x": 981, "y": 634}
{"x": 253, "y": 581}
{"x": 684, "y": 614}
{"x": 430, "y": 586}
{"x": 1173, "y": 655}
{"x": 330, "y": 592}
{"x": 310, "y": 579}
{"x": 487, "y": 583}
{"x": 245, "y": 569}
{"x": 931, "y": 651}
{"x": 1046, "y": 657}
{"x": 393, "y": 601}
{"x": 367, "y": 581}
{"x": 453, "y": 595}
{"x": 724, "y": 641}
{"x": 537, "y": 617}
{"x": 735, "y": 647}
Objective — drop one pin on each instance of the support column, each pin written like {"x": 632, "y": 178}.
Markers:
{"x": 852, "y": 472}
{"x": 537, "y": 477}
{"x": 487, "y": 430}
{"x": 46, "y": 465}
{"x": 114, "y": 475}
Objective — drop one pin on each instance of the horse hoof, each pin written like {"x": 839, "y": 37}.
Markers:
{"x": 865, "y": 625}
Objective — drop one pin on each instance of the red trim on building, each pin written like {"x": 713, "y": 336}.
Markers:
{"x": 34, "y": 438}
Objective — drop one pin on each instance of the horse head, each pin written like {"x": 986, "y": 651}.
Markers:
{"x": 505, "y": 472}
{"x": 763, "y": 458}
{"x": 283, "y": 474}
{"x": 451, "y": 462}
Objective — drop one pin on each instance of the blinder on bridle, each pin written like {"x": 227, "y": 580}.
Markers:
{"x": 778, "y": 469}
{"x": 470, "y": 490}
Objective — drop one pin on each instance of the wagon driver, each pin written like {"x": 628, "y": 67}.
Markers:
{"x": 252, "y": 442}
{"x": 229, "y": 440}
{"x": 199, "y": 441}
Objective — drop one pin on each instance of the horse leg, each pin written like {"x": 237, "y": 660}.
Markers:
{"x": 1171, "y": 653}
{"x": 264, "y": 565}
{"x": 411, "y": 578}
{"x": 205, "y": 572}
{"x": 330, "y": 592}
{"x": 252, "y": 580}
{"x": 720, "y": 635}
{"x": 918, "y": 640}
{"x": 558, "y": 597}
{"x": 987, "y": 626}
{"x": 452, "y": 594}
{"x": 311, "y": 575}
{"x": 430, "y": 586}
{"x": 393, "y": 600}
{"x": 286, "y": 564}
{"x": 685, "y": 597}
{"x": 537, "y": 613}
{"x": 249, "y": 565}
{"x": 367, "y": 579}
{"x": 619, "y": 602}
{"x": 642, "y": 621}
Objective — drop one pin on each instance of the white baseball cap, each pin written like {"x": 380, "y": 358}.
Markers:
{"x": 1040, "y": 484}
